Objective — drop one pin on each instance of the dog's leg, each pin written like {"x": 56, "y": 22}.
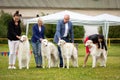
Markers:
{"x": 68, "y": 62}
{"x": 105, "y": 57}
{"x": 64, "y": 61}
{"x": 49, "y": 61}
{"x": 20, "y": 63}
{"x": 94, "y": 61}
{"x": 75, "y": 60}
{"x": 28, "y": 60}
{"x": 43, "y": 61}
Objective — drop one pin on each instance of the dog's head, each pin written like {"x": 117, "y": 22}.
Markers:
{"x": 45, "y": 42}
{"x": 61, "y": 42}
{"x": 89, "y": 43}
{"x": 23, "y": 38}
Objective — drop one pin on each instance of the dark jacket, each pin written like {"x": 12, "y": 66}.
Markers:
{"x": 94, "y": 38}
{"x": 13, "y": 30}
{"x": 37, "y": 34}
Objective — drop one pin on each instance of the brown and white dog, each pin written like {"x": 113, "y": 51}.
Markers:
{"x": 69, "y": 51}
{"x": 97, "y": 54}
{"x": 50, "y": 52}
{"x": 24, "y": 52}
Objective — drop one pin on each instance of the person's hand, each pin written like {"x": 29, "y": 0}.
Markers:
{"x": 18, "y": 37}
{"x": 41, "y": 39}
{"x": 59, "y": 38}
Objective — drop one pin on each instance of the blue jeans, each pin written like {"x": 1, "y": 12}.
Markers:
{"x": 37, "y": 52}
{"x": 59, "y": 50}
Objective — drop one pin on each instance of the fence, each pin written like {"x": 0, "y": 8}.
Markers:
{"x": 109, "y": 39}
{"x": 109, "y": 43}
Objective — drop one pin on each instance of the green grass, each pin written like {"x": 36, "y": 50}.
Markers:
{"x": 111, "y": 72}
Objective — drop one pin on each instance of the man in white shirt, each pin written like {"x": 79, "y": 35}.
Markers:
{"x": 64, "y": 30}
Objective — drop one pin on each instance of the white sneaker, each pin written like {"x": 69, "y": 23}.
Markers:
{"x": 13, "y": 67}
{"x": 10, "y": 67}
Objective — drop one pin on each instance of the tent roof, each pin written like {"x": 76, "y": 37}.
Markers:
{"x": 53, "y": 18}
{"x": 113, "y": 20}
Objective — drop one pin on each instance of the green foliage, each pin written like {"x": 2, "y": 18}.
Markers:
{"x": 114, "y": 31}
{"x": 78, "y": 31}
{"x": 50, "y": 30}
{"x": 4, "y": 19}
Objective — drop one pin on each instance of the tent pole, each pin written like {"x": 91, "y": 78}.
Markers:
{"x": 27, "y": 28}
{"x": 107, "y": 31}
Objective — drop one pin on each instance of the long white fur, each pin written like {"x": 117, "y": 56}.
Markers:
{"x": 69, "y": 51}
{"x": 50, "y": 52}
{"x": 24, "y": 52}
{"x": 97, "y": 54}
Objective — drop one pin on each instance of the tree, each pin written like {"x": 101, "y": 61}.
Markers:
{"x": 114, "y": 31}
{"x": 4, "y": 19}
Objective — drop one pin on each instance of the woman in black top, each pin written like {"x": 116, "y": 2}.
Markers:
{"x": 97, "y": 39}
{"x": 13, "y": 35}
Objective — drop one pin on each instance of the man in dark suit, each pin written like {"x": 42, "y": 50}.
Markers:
{"x": 64, "y": 30}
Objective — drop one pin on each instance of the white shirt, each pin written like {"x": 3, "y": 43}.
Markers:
{"x": 39, "y": 29}
{"x": 66, "y": 30}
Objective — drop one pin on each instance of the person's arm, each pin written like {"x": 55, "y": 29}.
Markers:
{"x": 58, "y": 29}
{"x": 35, "y": 32}
{"x": 104, "y": 45}
{"x": 72, "y": 33}
{"x": 43, "y": 33}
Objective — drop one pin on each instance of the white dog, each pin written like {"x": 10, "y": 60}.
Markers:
{"x": 97, "y": 54}
{"x": 50, "y": 52}
{"x": 69, "y": 51}
{"x": 24, "y": 52}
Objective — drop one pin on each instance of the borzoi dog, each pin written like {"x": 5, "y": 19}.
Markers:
{"x": 24, "y": 52}
{"x": 69, "y": 51}
{"x": 50, "y": 52}
{"x": 97, "y": 54}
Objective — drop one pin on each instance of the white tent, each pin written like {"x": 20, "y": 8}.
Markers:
{"x": 76, "y": 18}
{"x": 53, "y": 18}
{"x": 103, "y": 20}
{"x": 107, "y": 20}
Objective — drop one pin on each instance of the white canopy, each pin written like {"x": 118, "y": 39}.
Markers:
{"x": 107, "y": 20}
{"x": 53, "y": 18}
{"x": 76, "y": 18}
{"x": 103, "y": 20}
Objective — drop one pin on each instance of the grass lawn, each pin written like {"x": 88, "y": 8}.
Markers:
{"x": 111, "y": 72}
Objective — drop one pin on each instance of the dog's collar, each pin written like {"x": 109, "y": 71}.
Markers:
{"x": 21, "y": 41}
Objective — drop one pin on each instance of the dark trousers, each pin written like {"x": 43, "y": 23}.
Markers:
{"x": 60, "y": 54}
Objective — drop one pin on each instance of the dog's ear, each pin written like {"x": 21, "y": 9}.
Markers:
{"x": 64, "y": 41}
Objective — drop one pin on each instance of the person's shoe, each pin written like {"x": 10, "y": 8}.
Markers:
{"x": 13, "y": 67}
{"x": 10, "y": 67}
{"x": 38, "y": 66}
{"x": 61, "y": 66}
